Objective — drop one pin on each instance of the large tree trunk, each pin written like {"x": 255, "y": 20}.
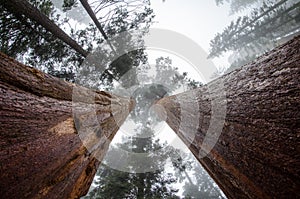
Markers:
{"x": 42, "y": 154}
{"x": 25, "y": 8}
{"x": 257, "y": 154}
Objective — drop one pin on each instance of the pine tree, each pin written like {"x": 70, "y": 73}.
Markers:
{"x": 31, "y": 43}
{"x": 35, "y": 44}
{"x": 237, "y": 5}
{"x": 117, "y": 21}
{"x": 203, "y": 186}
{"x": 23, "y": 7}
{"x": 112, "y": 183}
{"x": 258, "y": 32}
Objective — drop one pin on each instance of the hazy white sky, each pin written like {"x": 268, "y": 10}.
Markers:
{"x": 199, "y": 20}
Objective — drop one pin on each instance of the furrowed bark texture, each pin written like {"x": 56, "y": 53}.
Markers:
{"x": 257, "y": 154}
{"x": 42, "y": 154}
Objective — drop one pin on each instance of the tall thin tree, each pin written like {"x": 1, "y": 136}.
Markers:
{"x": 25, "y": 8}
{"x": 91, "y": 13}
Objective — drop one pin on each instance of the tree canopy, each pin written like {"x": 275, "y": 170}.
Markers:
{"x": 251, "y": 35}
{"x": 151, "y": 184}
{"x": 34, "y": 45}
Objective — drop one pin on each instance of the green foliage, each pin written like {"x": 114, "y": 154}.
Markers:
{"x": 32, "y": 44}
{"x": 237, "y": 5}
{"x": 203, "y": 185}
{"x": 125, "y": 15}
{"x": 250, "y": 36}
{"x": 27, "y": 41}
{"x": 109, "y": 182}
{"x": 116, "y": 20}
{"x": 69, "y": 4}
{"x": 169, "y": 74}
{"x": 112, "y": 183}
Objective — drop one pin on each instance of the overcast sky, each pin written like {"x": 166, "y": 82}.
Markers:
{"x": 200, "y": 20}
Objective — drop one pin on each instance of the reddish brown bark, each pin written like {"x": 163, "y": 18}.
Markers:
{"x": 257, "y": 154}
{"x": 41, "y": 153}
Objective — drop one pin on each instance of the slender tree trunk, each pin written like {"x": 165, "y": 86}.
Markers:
{"x": 91, "y": 13}
{"x": 42, "y": 154}
{"x": 257, "y": 154}
{"x": 24, "y": 7}
{"x": 188, "y": 177}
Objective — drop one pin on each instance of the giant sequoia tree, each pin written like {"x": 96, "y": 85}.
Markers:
{"x": 256, "y": 154}
{"x": 42, "y": 154}
{"x": 270, "y": 21}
